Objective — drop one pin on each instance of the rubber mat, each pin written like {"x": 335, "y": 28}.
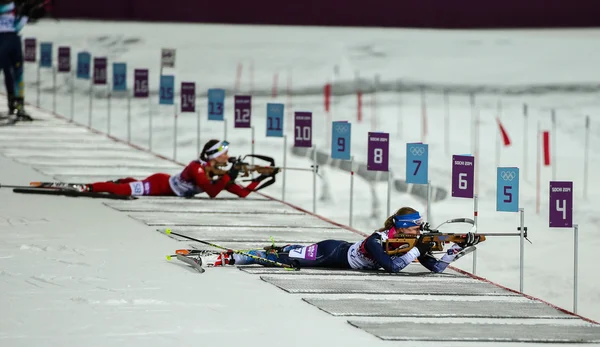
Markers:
{"x": 411, "y": 270}
{"x": 202, "y": 206}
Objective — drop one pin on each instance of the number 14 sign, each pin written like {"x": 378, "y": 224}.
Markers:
{"x": 463, "y": 176}
{"x": 561, "y": 204}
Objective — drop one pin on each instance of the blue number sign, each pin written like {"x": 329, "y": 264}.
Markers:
{"x": 46, "y": 54}
{"x": 417, "y": 163}
{"x": 275, "y": 120}
{"x": 119, "y": 77}
{"x": 340, "y": 140}
{"x": 507, "y": 189}
{"x": 216, "y": 104}
{"x": 167, "y": 90}
{"x": 83, "y": 65}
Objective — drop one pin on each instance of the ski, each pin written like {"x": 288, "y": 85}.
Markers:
{"x": 63, "y": 185}
{"x": 193, "y": 262}
{"x": 64, "y": 189}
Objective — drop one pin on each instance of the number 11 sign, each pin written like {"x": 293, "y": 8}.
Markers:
{"x": 463, "y": 176}
{"x": 378, "y": 147}
{"x": 561, "y": 204}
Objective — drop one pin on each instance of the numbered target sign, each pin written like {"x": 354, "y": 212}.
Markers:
{"x": 275, "y": 120}
{"x": 100, "y": 70}
{"x": 167, "y": 57}
{"x": 302, "y": 129}
{"x": 140, "y": 83}
{"x": 167, "y": 90}
{"x": 463, "y": 176}
{"x": 216, "y": 104}
{"x": 188, "y": 97}
{"x": 378, "y": 147}
{"x": 417, "y": 163}
{"x": 243, "y": 111}
{"x": 64, "y": 59}
{"x": 84, "y": 60}
{"x": 507, "y": 189}
{"x": 29, "y": 50}
{"x": 561, "y": 204}
{"x": 340, "y": 140}
{"x": 119, "y": 77}
{"x": 46, "y": 54}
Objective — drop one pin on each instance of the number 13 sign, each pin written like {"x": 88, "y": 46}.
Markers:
{"x": 561, "y": 204}
{"x": 379, "y": 147}
{"x": 463, "y": 175}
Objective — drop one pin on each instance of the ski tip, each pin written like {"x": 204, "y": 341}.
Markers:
{"x": 168, "y": 231}
{"x": 35, "y": 184}
{"x": 168, "y": 257}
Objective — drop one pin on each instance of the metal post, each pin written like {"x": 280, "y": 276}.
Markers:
{"x": 54, "y": 89}
{"x": 175, "y": 131}
{"x": 224, "y": 128}
{"x": 108, "y": 115}
{"x": 198, "y": 144}
{"x": 128, "y": 117}
{"x": 91, "y": 103}
{"x": 252, "y": 144}
{"x": 389, "y": 193}
{"x": 586, "y": 156}
{"x": 38, "y": 85}
{"x": 475, "y": 215}
{"x": 576, "y": 266}
{"x": 553, "y": 149}
{"x": 429, "y": 201}
{"x": 522, "y": 249}
{"x": 284, "y": 166}
{"x": 525, "y": 136}
{"x": 314, "y": 170}
{"x": 72, "y": 96}
{"x": 150, "y": 124}
{"x": 351, "y": 190}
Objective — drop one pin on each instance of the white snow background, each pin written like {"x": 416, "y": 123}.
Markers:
{"x": 528, "y": 61}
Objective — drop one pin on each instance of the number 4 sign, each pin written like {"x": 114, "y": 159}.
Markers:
{"x": 243, "y": 111}
{"x": 463, "y": 174}
{"x": 417, "y": 163}
{"x": 561, "y": 204}
{"x": 507, "y": 189}
{"x": 378, "y": 147}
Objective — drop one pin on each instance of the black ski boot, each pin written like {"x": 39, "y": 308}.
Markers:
{"x": 21, "y": 114}
{"x": 12, "y": 104}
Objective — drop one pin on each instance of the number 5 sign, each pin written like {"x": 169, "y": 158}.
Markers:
{"x": 243, "y": 111}
{"x": 378, "y": 147}
{"x": 302, "y": 129}
{"x": 561, "y": 204}
{"x": 463, "y": 174}
{"x": 507, "y": 189}
{"x": 417, "y": 163}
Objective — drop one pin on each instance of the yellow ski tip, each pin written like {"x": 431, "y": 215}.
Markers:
{"x": 167, "y": 231}
{"x": 168, "y": 257}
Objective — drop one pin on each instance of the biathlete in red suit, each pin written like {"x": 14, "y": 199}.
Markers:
{"x": 189, "y": 182}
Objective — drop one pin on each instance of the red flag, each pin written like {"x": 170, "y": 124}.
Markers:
{"x": 546, "y": 148}
{"x": 327, "y": 92}
{"x": 505, "y": 138}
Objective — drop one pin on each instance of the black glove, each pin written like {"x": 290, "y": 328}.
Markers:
{"x": 233, "y": 172}
{"x": 424, "y": 247}
{"x": 470, "y": 240}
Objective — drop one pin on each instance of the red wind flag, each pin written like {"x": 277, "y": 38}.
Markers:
{"x": 546, "y": 148}
{"x": 505, "y": 138}
{"x": 327, "y": 91}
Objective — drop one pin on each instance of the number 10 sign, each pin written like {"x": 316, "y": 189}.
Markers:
{"x": 463, "y": 176}
{"x": 561, "y": 204}
{"x": 378, "y": 147}
{"x": 302, "y": 129}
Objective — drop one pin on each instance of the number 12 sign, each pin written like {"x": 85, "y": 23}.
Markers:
{"x": 417, "y": 163}
{"x": 507, "y": 189}
{"x": 561, "y": 204}
{"x": 243, "y": 111}
{"x": 378, "y": 147}
{"x": 302, "y": 129}
{"x": 463, "y": 176}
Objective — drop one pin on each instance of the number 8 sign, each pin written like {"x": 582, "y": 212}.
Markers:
{"x": 378, "y": 147}
{"x": 507, "y": 189}
{"x": 463, "y": 176}
{"x": 561, "y": 204}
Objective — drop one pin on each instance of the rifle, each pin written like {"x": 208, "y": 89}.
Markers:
{"x": 402, "y": 243}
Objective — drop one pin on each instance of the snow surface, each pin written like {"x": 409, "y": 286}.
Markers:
{"x": 209, "y": 54}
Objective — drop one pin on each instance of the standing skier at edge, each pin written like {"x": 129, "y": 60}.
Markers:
{"x": 193, "y": 179}
{"x": 365, "y": 254}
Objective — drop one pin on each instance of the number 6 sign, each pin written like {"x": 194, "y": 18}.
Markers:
{"x": 463, "y": 174}
{"x": 561, "y": 204}
{"x": 378, "y": 147}
{"x": 417, "y": 163}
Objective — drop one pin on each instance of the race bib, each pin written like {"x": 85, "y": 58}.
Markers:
{"x": 306, "y": 252}
{"x": 137, "y": 188}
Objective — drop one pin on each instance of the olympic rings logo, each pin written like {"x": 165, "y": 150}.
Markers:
{"x": 418, "y": 151}
{"x": 341, "y": 128}
{"x": 275, "y": 108}
{"x": 508, "y": 175}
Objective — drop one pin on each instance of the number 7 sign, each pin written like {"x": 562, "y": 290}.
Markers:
{"x": 417, "y": 163}
{"x": 561, "y": 204}
{"x": 463, "y": 174}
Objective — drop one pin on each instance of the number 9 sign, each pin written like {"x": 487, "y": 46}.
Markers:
{"x": 561, "y": 204}
{"x": 507, "y": 189}
{"x": 378, "y": 147}
{"x": 463, "y": 176}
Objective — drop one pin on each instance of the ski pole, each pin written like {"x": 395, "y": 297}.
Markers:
{"x": 168, "y": 232}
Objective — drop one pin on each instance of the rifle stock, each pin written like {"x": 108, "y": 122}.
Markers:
{"x": 403, "y": 243}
